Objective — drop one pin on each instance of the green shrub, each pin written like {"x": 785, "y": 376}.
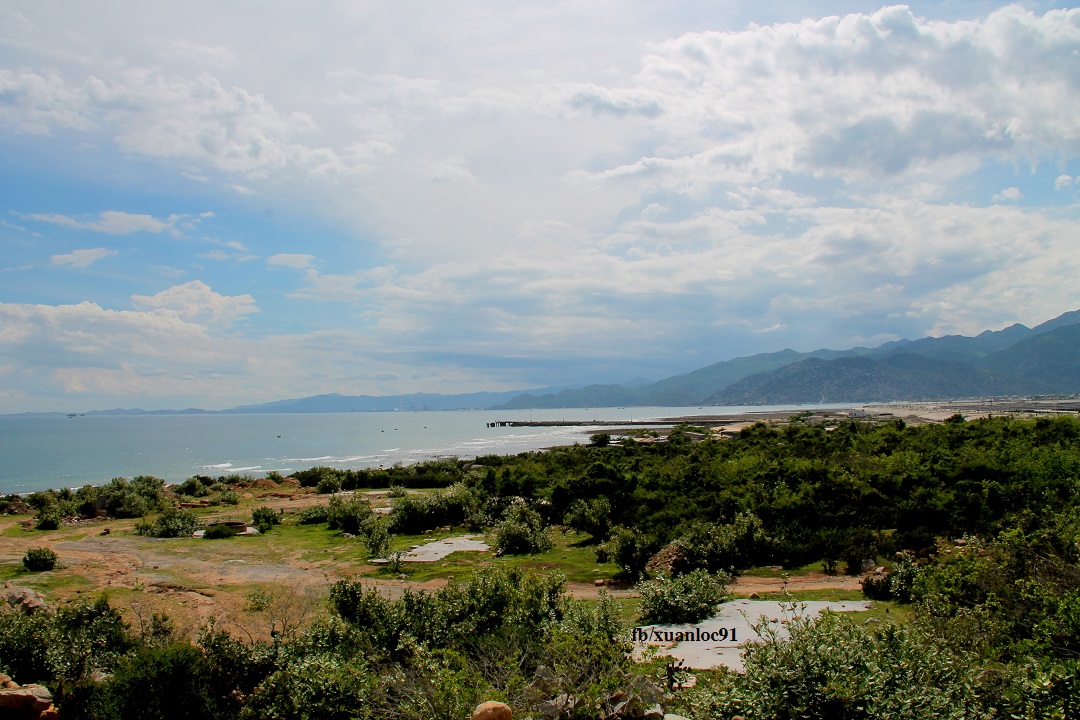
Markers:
{"x": 219, "y": 531}
{"x": 522, "y": 532}
{"x": 319, "y": 686}
{"x": 172, "y": 522}
{"x": 193, "y": 487}
{"x": 38, "y": 559}
{"x": 48, "y": 519}
{"x": 719, "y": 548}
{"x": 313, "y": 515}
{"x": 591, "y": 516}
{"x": 170, "y": 682}
{"x": 631, "y": 550}
{"x": 688, "y": 598}
{"x": 376, "y": 536}
{"x": 228, "y": 497}
{"x": 328, "y": 485}
{"x": 264, "y": 518}
{"x": 412, "y": 514}
{"x": 347, "y": 515}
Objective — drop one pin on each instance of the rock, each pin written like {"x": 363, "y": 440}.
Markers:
{"x": 654, "y": 713}
{"x": 598, "y": 582}
{"x": 673, "y": 716}
{"x": 290, "y": 481}
{"x": 492, "y": 710}
{"x": 665, "y": 560}
{"x": 754, "y": 596}
{"x": 26, "y": 600}
{"x": 28, "y": 699}
{"x": 555, "y": 708}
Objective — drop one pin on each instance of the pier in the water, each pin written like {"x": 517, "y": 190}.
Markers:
{"x": 580, "y": 423}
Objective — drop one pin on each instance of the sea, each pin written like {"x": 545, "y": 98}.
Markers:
{"x": 38, "y": 452}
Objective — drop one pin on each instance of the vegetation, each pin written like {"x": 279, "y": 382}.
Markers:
{"x": 171, "y": 523}
{"x": 688, "y": 598}
{"x": 39, "y": 559}
{"x": 977, "y": 523}
{"x": 264, "y": 519}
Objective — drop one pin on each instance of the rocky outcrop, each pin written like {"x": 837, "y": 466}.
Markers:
{"x": 24, "y": 600}
{"x": 29, "y": 702}
{"x": 663, "y": 561}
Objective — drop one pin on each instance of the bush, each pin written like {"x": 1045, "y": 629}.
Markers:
{"x": 220, "y": 531}
{"x": 376, "y": 536}
{"x": 264, "y": 518}
{"x": 687, "y": 598}
{"x": 39, "y": 559}
{"x": 48, "y": 519}
{"x": 313, "y": 515}
{"x": 347, "y": 515}
{"x": 163, "y": 683}
{"x": 591, "y": 516}
{"x": 228, "y": 497}
{"x": 631, "y": 550}
{"x": 413, "y": 514}
{"x": 522, "y": 532}
{"x": 328, "y": 485}
{"x": 172, "y": 522}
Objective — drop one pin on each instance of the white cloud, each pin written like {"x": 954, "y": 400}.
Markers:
{"x": 82, "y": 258}
{"x": 571, "y": 181}
{"x": 297, "y": 261}
{"x": 195, "y": 302}
{"x": 113, "y": 222}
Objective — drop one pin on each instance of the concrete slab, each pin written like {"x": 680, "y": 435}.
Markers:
{"x": 720, "y": 639}
{"x": 438, "y": 549}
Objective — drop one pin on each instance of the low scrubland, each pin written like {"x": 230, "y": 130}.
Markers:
{"x": 976, "y": 525}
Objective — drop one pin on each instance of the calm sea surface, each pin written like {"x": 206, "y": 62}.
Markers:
{"x": 40, "y": 452}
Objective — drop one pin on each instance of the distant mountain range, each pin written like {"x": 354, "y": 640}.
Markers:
{"x": 1015, "y": 361}
{"x": 1018, "y": 360}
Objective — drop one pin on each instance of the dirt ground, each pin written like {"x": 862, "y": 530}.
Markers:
{"x": 194, "y": 583}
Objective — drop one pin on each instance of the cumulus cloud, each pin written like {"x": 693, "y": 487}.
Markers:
{"x": 1010, "y": 194}
{"x": 564, "y": 192}
{"x": 82, "y": 258}
{"x": 195, "y": 302}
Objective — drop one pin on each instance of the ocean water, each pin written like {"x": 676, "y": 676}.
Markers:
{"x": 40, "y": 452}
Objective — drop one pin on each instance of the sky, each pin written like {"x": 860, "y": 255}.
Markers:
{"x": 208, "y": 204}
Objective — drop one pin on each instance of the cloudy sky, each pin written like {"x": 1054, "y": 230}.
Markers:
{"x": 208, "y": 204}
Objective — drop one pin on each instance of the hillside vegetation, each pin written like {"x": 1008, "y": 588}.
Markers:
{"x": 977, "y": 522}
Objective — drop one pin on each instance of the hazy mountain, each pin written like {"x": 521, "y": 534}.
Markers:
{"x": 899, "y": 376}
{"x": 373, "y": 403}
{"x": 1050, "y": 360}
{"x": 1014, "y": 360}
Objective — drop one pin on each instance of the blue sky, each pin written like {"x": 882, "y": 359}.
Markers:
{"x": 210, "y": 206}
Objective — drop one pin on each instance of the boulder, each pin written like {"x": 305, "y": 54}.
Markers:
{"x": 29, "y": 700}
{"x": 25, "y": 600}
{"x": 492, "y": 710}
